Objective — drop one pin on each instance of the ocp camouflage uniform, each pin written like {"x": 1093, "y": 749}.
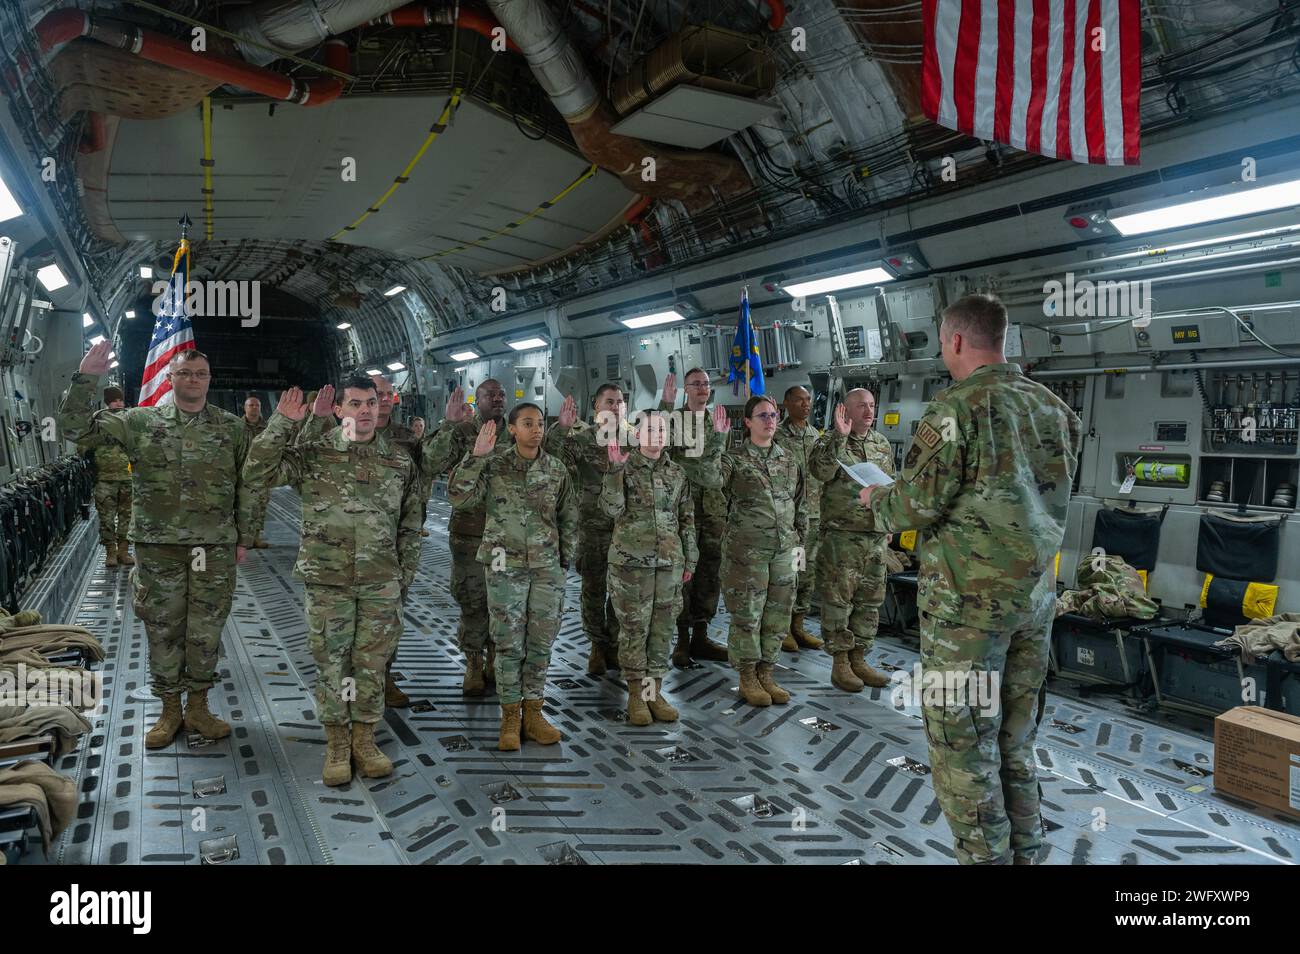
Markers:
{"x": 652, "y": 545}
{"x": 851, "y": 563}
{"x": 800, "y": 442}
{"x": 700, "y": 595}
{"x": 765, "y": 522}
{"x": 359, "y": 551}
{"x": 183, "y": 523}
{"x": 530, "y": 532}
{"x": 112, "y": 487}
{"x": 259, "y": 515}
{"x": 986, "y": 483}
{"x": 1108, "y": 589}
{"x": 587, "y": 462}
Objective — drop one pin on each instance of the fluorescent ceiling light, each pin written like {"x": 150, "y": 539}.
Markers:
{"x": 343, "y": 325}
{"x": 527, "y": 344}
{"x": 461, "y": 368}
{"x": 51, "y": 277}
{"x": 658, "y": 318}
{"x": 146, "y": 271}
{"x": 1221, "y": 203}
{"x": 130, "y": 313}
{"x": 86, "y": 320}
{"x": 395, "y": 366}
{"x": 9, "y": 207}
{"x": 820, "y": 286}
{"x": 395, "y": 290}
{"x": 468, "y": 355}
{"x": 112, "y": 354}
{"x": 113, "y": 365}
{"x": 97, "y": 339}
{"x": 373, "y": 371}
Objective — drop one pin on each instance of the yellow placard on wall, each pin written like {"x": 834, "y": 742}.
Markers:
{"x": 518, "y": 394}
{"x": 891, "y": 418}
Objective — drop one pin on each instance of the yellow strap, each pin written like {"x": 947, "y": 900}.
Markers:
{"x": 1206, "y": 588}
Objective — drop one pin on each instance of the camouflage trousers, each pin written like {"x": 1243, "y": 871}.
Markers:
{"x": 982, "y": 756}
{"x": 261, "y": 502}
{"x": 113, "y": 503}
{"x": 807, "y": 585}
{"x": 851, "y": 585}
{"x": 352, "y": 631}
{"x": 758, "y": 589}
{"x": 599, "y": 620}
{"x": 470, "y": 592}
{"x": 647, "y": 600}
{"x": 700, "y": 595}
{"x": 524, "y": 606}
{"x": 183, "y": 595}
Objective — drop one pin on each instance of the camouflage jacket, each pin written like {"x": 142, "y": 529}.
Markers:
{"x": 763, "y": 487}
{"x": 588, "y": 463}
{"x": 841, "y": 509}
{"x": 1108, "y": 589}
{"x": 703, "y": 471}
{"x": 530, "y": 508}
{"x": 360, "y": 507}
{"x": 470, "y": 521}
{"x": 801, "y": 443}
{"x": 254, "y": 429}
{"x": 111, "y": 463}
{"x": 185, "y": 467}
{"x": 654, "y": 516}
{"x": 986, "y": 482}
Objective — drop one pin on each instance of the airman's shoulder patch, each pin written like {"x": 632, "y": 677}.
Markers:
{"x": 927, "y": 435}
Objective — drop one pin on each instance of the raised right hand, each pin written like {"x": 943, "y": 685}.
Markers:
{"x": 568, "y": 412}
{"x": 842, "y": 420}
{"x": 291, "y": 404}
{"x": 486, "y": 440}
{"x": 96, "y": 361}
{"x": 323, "y": 406}
{"x": 670, "y": 389}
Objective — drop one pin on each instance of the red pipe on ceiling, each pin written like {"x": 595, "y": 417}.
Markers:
{"x": 778, "y": 15}
{"x": 62, "y": 26}
{"x": 417, "y": 16}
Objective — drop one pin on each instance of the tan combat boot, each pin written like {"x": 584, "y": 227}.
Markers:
{"x": 788, "y": 643}
{"x": 869, "y": 676}
{"x": 124, "y": 557}
{"x": 394, "y": 698}
{"x": 842, "y": 676}
{"x": 764, "y": 673}
{"x": 596, "y": 660}
{"x": 750, "y": 689}
{"x": 682, "y": 651}
{"x": 535, "y": 725}
{"x": 659, "y": 706}
{"x": 804, "y": 638}
{"x": 260, "y": 543}
{"x": 638, "y": 713}
{"x": 110, "y": 556}
{"x": 490, "y": 665}
{"x": 168, "y": 724}
{"x": 199, "y": 718}
{"x": 371, "y": 763}
{"x": 704, "y": 648}
{"x": 473, "y": 683}
{"x": 509, "y": 740}
{"x": 338, "y": 756}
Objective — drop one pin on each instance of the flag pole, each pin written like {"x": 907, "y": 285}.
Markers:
{"x": 749, "y": 343}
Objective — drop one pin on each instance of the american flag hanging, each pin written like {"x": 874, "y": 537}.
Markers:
{"x": 172, "y": 333}
{"x": 1061, "y": 78}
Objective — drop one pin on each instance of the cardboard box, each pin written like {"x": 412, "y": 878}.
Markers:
{"x": 1257, "y": 757}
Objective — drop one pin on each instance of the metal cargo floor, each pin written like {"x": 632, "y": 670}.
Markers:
{"x": 807, "y": 782}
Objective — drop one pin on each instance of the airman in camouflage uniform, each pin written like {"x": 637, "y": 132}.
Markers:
{"x": 1108, "y": 589}
{"x": 766, "y": 525}
{"x": 575, "y": 443}
{"x": 360, "y": 548}
{"x": 700, "y": 595}
{"x": 418, "y": 429}
{"x": 798, "y": 437}
{"x": 186, "y": 457}
{"x": 851, "y": 566}
{"x": 986, "y": 482}
{"x": 652, "y": 552}
{"x": 112, "y": 488}
{"x": 529, "y": 537}
{"x": 256, "y": 424}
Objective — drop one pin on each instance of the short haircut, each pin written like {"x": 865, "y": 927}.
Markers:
{"x": 607, "y": 386}
{"x": 186, "y": 356}
{"x": 112, "y": 394}
{"x": 980, "y": 318}
{"x": 792, "y": 388}
{"x": 357, "y": 381}
{"x": 253, "y": 397}
{"x": 485, "y": 383}
{"x": 695, "y": 371}
{"x": 519, "y": 408}
{"x": 756, "y": 400}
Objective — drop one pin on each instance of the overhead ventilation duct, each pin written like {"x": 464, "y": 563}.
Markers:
{"x": 417, "y": 16}
{"x": 690, "y": 177}
{"x": 703, "y": 56}
{"x": 294, "y": 25}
